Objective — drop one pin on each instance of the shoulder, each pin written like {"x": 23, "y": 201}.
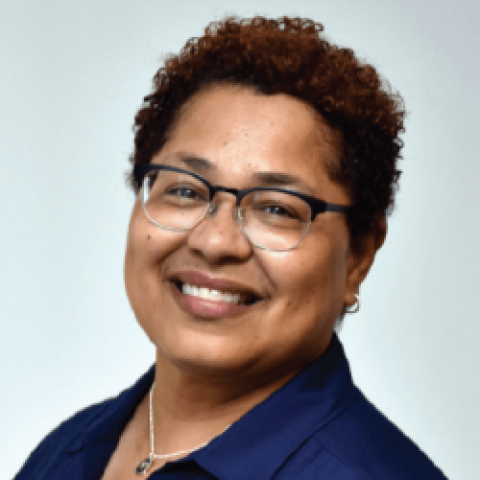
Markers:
{"x": 65, "y": 436}
{"x": 367, "y": 443}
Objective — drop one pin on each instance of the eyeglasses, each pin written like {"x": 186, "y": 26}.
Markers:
{"x": 271, "y": 218}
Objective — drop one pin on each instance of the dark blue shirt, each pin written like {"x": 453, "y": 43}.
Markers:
{"x": 318, "y": 426}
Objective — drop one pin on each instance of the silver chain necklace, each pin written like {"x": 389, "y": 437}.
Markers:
{"x": 143, "y": 468}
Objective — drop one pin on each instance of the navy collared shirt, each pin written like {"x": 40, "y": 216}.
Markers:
{"x": 318, "y": 426}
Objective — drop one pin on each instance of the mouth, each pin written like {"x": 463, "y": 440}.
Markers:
{"x": 216, "y": 295}
{"x": 203, "y": 296}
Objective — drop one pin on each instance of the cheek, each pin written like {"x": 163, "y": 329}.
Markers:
{"x": 146, "y": 249}
{"x": 315, "y": 279}
{"x": 147, "y": 244}
{"x": 138, "y": 242}
{"x": 137, "y": 245}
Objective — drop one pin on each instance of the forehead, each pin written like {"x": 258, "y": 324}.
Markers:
{"x": 242, "y": 131}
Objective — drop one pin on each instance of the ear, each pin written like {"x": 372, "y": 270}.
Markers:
{"x": 362, "y": 253}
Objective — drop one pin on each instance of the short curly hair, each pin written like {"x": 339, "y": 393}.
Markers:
{"x": 290, "y": 56}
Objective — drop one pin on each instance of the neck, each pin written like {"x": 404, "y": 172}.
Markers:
{"x": 190, "y": 409}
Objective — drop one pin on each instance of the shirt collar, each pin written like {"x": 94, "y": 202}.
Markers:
{"x": 110, "y": 422}
{"x": 258, "y": 444}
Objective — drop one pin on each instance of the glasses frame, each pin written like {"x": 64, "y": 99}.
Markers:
{"x": 317, "y": 206}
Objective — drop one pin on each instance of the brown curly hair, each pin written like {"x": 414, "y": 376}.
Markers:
{"x": 290, "y": 56}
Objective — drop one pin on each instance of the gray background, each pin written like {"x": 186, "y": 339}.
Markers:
{"x": 72, "y": 76}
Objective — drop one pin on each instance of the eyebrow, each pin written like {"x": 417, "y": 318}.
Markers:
{"x": 199, "y": 164}
{"x": 274, "y": 179}
{"x": 265, "y": 179}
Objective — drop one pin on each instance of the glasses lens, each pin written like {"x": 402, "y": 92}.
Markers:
{"x": 275, "y": 220}
{"x": 173, "y": 200}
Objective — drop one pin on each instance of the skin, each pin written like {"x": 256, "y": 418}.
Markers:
{"x": 209, "y": 372}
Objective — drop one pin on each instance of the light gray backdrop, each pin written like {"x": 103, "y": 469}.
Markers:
{"x": 72, "y": 76}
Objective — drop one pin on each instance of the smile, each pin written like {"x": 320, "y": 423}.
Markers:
{"x": 207, "y": 294}
{"x": 216, "y": 295}
{"x": 204, "y": 296}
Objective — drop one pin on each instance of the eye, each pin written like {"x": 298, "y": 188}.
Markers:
{"x": 276, "y": 212}
{"x": 184, "y": 192}
{"x": 279, "y": 210}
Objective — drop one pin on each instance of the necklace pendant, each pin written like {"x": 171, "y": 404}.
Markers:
{"x": 144, "y": 466}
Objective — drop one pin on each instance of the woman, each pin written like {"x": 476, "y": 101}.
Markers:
{"x": 265, "y": 165}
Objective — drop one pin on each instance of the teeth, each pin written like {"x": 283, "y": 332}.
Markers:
{"x": 208, "y": 294}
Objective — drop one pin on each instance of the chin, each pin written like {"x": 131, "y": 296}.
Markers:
{"x": 204, "y": 355}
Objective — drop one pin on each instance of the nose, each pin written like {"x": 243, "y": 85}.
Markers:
{"x": 237, "y": 212}
{"x": 219, "y": 235}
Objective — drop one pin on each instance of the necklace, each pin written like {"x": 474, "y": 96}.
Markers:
{"x": 147, "y": 463}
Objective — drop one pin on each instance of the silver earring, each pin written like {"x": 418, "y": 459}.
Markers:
{"x": 355, "y": 307}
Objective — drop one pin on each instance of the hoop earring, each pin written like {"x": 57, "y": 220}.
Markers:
{"x": 356, "y": 305}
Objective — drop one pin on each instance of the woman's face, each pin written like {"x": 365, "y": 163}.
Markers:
{"x": 301, "y": 292}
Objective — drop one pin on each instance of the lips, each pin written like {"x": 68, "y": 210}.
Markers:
{"x": 214, "y": 295}
{"x": 205, "y": 296}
